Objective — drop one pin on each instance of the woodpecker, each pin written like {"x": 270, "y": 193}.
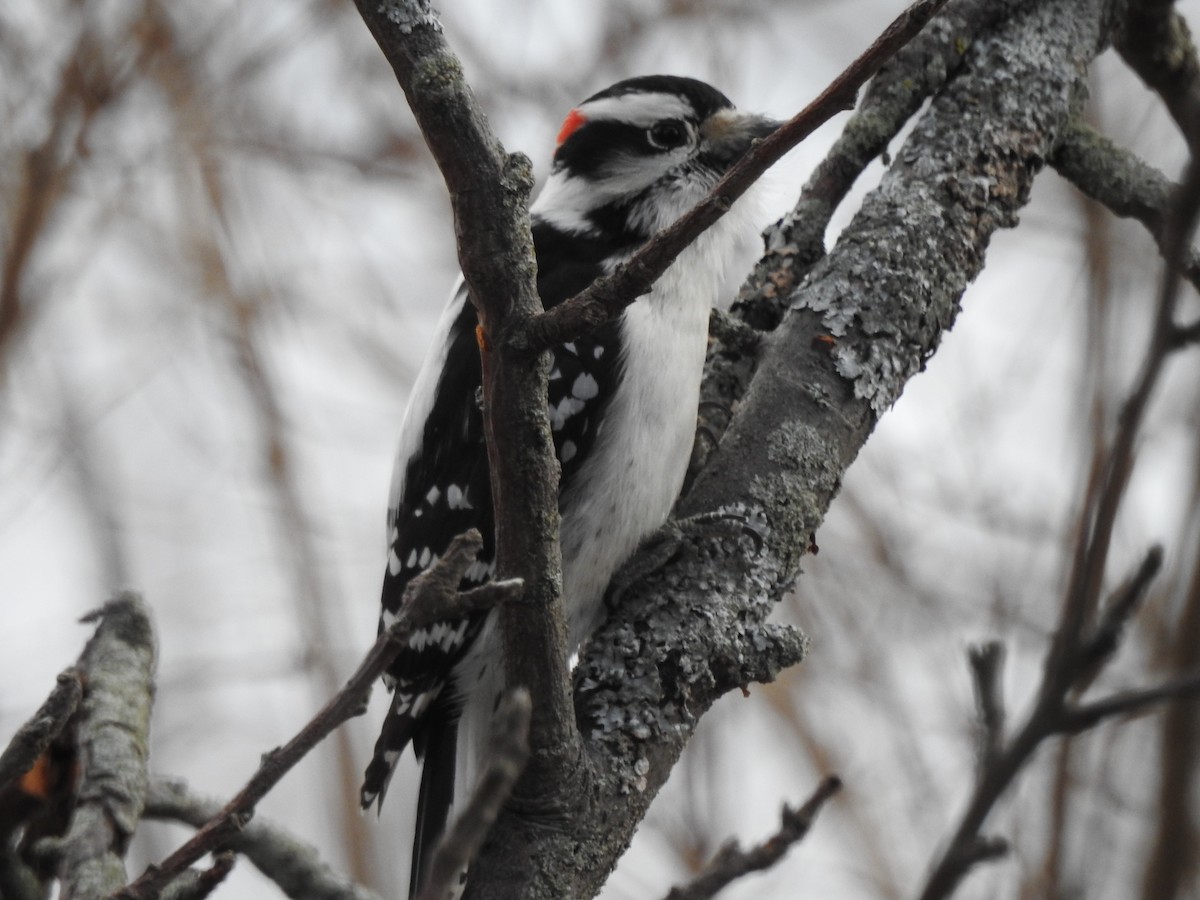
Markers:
{"x": 622, "y": 403}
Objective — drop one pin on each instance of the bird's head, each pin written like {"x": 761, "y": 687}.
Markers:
{"x": 634, "y": 157}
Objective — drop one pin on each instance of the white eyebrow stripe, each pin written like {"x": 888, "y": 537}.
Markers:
{"x": 639, "y": 109}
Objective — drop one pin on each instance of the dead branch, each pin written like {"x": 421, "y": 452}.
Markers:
{"x": 432, "y": 596}
{"x": 117, "y": 666}
{"x": 292, "y": 864}
{"x": 732, "y": 862}
{"x": 987, "y": 670}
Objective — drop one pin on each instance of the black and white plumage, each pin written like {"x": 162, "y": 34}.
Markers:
{"x": 622, "y": 405}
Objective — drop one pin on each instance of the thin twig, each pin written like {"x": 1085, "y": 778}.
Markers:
{"x": 509, "y": 752}
{"x": 47, "y": 723}
{"x": 1111, "y": 474}
{"x": 987, "y": 670}
{"x": 1087, "y": 715}
{"x": 295, "y": 866}
{"x": 1102, "y": 643}
{"x": 607, "y": 296}
{"x": 431, "y": 597}
{"x": 732, "y": 862}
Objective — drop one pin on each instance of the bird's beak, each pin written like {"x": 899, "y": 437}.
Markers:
{"x": 730, "y": 132}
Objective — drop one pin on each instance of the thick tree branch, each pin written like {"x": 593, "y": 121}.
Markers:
{"x": 732, "y": 862}
{"x": 117, "y": 666}
{"x": 488, "y": 193}
{"x": 902, "y": 84}
{"x": 606, "y": 297}
{"x": 431, "y": 597}
{"x": 296, "y": 867}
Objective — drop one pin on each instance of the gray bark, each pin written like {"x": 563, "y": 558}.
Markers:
{"x": 697, "y": 627}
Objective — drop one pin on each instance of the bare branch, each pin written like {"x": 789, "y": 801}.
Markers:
{"x": 1064, "y": 674}
{"x": 117, "y": 666}
{"x": 1122, "y": 182}
{"x": 509, "y": 753}
{"x": 488, "y": 186}
{"x": 1111, "y": 474}
{"x": 35, "y": 736}
{"x": 902, "y": 84}
{"x": 732, "y": 862}
{"x": 1087, "y": 715}
{"x": 1099, "y": 647}
{"x": 607, "y": 296}
{"x": 1156, "y": 43}
{"x": 292, "y": 864}
{"x": 430, "y": 597}
{"x": 987, "y": 670}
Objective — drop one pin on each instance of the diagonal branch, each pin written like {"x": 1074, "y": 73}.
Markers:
{"x": 1089, "y": 715}
{"x": 1122, "y": 182}
{"x": 606, "y": 297}
{"x": 430, "y": 597}
{"x": 296, "y": 867}
{"x": 732, "y": 862}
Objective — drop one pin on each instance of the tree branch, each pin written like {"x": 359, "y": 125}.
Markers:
{"x": 1088, "y": 715}
{"x": 987, "y": 670}
{"x": 1119, "y": 180}
{"x": 296, "y": 867}
{"x": 1078, "y": 650}
{"x": 607, "y": 296}
{"x": 117, "y": 666}
{"x": 1157, "y": 44}
{"x": 696, "y": 628}
{"x": 430, "y": 597}
{"x": 488, "y": 194}
{"x": 895, "y": 93}
{"x": 732, "y": 862}
{"x": 196, "y": 884}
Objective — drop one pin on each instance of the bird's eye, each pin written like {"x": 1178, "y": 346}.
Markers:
{"x": 667, "y": 134}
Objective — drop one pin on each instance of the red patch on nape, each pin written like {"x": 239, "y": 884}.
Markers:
{"x": 570, "y": 125}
